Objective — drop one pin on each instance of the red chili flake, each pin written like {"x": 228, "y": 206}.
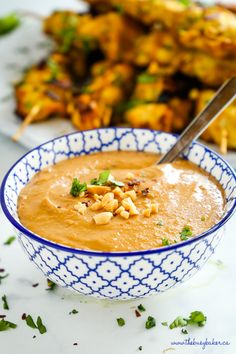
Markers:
{"x": 2, "y": 316}
{"x": 137, "y": 313}
{"x": 2, "y": 270}
{"x": 35, "y": 285}
{"x": 134, "y": 182}
{"x": 23, "y": 317}
{"x": 145, "y": 192}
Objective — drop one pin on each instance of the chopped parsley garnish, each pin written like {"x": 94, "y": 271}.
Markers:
{"x": 185, "y": 233}
{"x": 165, "y": 242}
{"x": 73, "y": 312}
{"x": 105, "y": 178}
{"x": 51, "y": 285}
{"x": 185, "y": 2}
{"x": 5, "y": 325}
{"x": 77, "y": 187}
{"x": 184, "y": 331}
{"x": 150, "y": 323}
{"x": 8, "y": 23}
{"x": 164, "y": 324}
{"x": 140, "y": 348}
{"x": 195, "y": 317}
{"x": 146, "y": 78}
{"x": 3, "y": 277}
{"x": 10, "y": 240}
{"x": 141, "y": 308}
{"x": 120, "y": 321}
{"x": 5, "y": 303}
{"x": 39, "y": 324}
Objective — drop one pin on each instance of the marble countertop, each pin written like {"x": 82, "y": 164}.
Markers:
{"x": 94, "y": 328}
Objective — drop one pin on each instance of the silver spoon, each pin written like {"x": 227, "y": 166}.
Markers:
{"x": 223, "y": 97}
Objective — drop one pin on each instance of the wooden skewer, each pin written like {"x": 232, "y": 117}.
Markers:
{"x": 29, "y": 118}
{"x": 224, "y": 141}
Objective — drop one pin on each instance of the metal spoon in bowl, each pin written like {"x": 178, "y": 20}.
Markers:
{"x": 223, "y": 97}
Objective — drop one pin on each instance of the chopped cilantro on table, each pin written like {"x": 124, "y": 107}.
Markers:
{"x": 105, "y": 178}
{"x": 120, "y": 321}
{"x": 9, "y": 23}
{"x": 51, "y": 285}
{"x": 140, "y": 347}
{"x": 195, "y": 317}
{"x": 10, "y": 240}
{"x": 38, "y": 325}
{"x": 150, "y": 323}
{"x": 185, "y": 233}
{"x": 5, "y": 325}
{"x": 141, "y": 308}
{"x": 184, "y": 331}
{"x": 77, "y": 188}
{"x": 73, "y": 312}
{"x": 5, "y": 302}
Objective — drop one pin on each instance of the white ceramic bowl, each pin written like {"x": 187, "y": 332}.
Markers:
{"x": 116, "y": 275}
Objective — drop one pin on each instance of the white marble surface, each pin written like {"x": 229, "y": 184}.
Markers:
{"x": 94, "y": 328}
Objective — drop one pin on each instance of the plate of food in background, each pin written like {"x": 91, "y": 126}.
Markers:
{"x": 115, "y": 63}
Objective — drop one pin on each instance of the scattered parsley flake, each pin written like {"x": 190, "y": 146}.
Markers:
{"x": 178, "y": 322}
{"x": 150, "y": 323}
{"x": 140, "y": 347}
{"x": 184, "y": 331}
{"x": 51, "y": 285}
{"x": 141, "y": 308}
{"x": 73, "y": 312}
{"x": 185, "y": 233}
{"x": 10, "y": 240}
{"x": 5, "y": 325}
{"x": 120, "y": 321}
{"x": 165, "y": 242}
{"x": 164, "y": 324}
{"x": 77, "y": 187}
{"x": 8, "y": 23}
{"x": 5, "y": 303}
{"x": 39, "y": 324}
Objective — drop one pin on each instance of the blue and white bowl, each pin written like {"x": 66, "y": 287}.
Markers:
{"x": 116, "y": 275}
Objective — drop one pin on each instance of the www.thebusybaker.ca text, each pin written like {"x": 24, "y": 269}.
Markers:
{"x": 201, "y": 343}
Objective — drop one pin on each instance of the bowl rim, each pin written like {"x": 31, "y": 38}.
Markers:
{"x": 65, "y": 248}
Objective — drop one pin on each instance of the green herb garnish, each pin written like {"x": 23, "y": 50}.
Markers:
{"x": 164, "y": 324}
{"x": 184, "y": 331}
{"x": 185, "y": 2}
{"x": 3, "y": 277}
{"x": 5, "y": 325}
{"x": 140, "y": 348}
{"x": 8, "y": 23}
{"x": 73, "y": 312}
{"x": 51, "y": 285}
{"x": 141, "y": 308}
{"x": 120, "y": 321}
{"x": 5, "y": 303}
{"x": 150, "y": 323}
{"x": 165, "y": 242}
{"x": 39, "y": 324}
{"x": 146, "y": 78}
{"x": 195, "y": 317}
{"x": 77, "y": 187}
{"x": 10, "y": 240}
{"x": 105, "y": 178}
{"x": 185, "y": 233}
{"x": 54, "y": 68}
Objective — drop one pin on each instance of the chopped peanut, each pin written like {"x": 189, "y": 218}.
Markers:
{"x": 120, "y": 209}
{"x": 80, "y": 207}
{"x": 154, "y": 208}
{"x": 118, "y": 192}
{"x": 103, "y": 218}
{"x": 147, "y": 212}
{"x": 96, "y": 206}
{"x": 131, "y": 194}
{"x": 98, "y": 189}
{"x": 112, "y": 205}
{"x": 124, "y": 214}
{"x": 130, "y": 175}
{"x": 130, "y": 206}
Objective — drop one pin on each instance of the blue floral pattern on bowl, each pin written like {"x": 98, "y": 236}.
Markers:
{"x": 117, "y": 275}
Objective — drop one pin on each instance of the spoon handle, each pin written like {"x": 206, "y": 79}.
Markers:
{"x": 223, "y": 97}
